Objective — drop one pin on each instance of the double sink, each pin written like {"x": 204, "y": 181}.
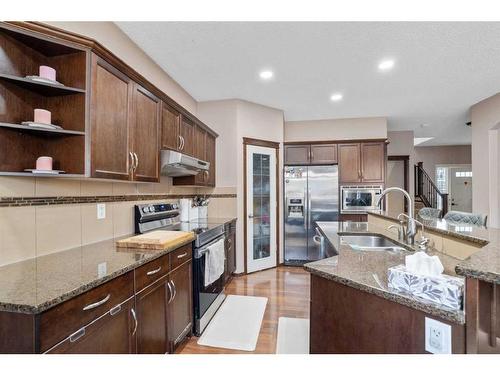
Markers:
{"x": 370, "y": 242}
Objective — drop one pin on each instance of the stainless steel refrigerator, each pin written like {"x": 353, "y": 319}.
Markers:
{"x": 311, "y": 195}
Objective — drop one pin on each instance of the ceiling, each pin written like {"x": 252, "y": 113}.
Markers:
{"x": 441, "y": 68}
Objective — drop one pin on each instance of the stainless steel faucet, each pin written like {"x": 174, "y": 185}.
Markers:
{"x": 411, "y": 227}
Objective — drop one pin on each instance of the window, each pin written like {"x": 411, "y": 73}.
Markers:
{"x": 442, "y": 179}
{"x": 463, "y": 174}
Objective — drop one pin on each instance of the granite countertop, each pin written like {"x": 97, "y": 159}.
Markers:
{"x": 485, "y": 263}
{"x": 367, "y": 271}
{"x": 37, "y": 284}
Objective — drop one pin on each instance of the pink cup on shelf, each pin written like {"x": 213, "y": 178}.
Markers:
{"x": 42, "y": 116}
{"x": 47, "y": 72}
{"x": 44, "y": 163}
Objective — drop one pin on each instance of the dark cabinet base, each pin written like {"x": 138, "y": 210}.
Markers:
{"x": 345, "y": 320}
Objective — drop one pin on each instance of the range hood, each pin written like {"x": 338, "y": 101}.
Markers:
{"x": 175, "y": 164}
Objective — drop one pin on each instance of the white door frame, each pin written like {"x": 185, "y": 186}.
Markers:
{"x": 271, "y": 149}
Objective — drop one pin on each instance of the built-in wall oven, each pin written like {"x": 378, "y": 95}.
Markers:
{"x": 359, "y": 199}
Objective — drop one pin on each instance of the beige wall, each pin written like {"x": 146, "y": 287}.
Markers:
{"x": 222, "y": 117}
{"x": 336, "y": 129}
{"x": 401, "y": 143}
{"x": 435, "y": 155}
{"x": 235, "y": 119}
{"x": 110, "y": 36}
{"x": 485, "y": 117}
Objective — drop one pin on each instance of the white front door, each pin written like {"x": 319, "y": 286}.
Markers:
{"x": 261, "y": 208}
{"x": 460, "y": 193}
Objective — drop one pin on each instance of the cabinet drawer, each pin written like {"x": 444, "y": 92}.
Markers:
{"x": 180, "y": 255}
{"x": 150, "y": 272}
{"x": 61, "y": 321}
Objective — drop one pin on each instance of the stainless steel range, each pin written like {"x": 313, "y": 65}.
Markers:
{"x": 166, "y": 216}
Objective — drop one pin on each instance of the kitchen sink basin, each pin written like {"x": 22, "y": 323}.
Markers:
{"x": 370, "y": 243}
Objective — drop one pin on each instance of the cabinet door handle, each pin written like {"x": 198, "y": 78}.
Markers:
{"x": 136, "y": 161}
{"x": 132, "y": 311}
{"x": 180, "y": 143}
{"x": 115, "y": 310}
{"x": 207, "y": 175}
{"x": 131, "y": 167}
{"x": 77, "y": 335}
{"x": 312, "y": 155}
{"x": 149, "y": 273}
{"x": 97, "y": 304}
{"x": 182, "y": 255}
{"x": 175, "y": 290}
{"x": 183, "y": 142}
{"x": 170, "y": 292}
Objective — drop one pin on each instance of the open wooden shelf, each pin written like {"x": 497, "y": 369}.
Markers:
{"x": 42, "y": 88}
{"x": 49, "y": 132}
{"x": 29, "y": 174}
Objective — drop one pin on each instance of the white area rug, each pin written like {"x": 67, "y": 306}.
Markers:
{"x": 236, "y": 325}
{"x": 293, "y": 336}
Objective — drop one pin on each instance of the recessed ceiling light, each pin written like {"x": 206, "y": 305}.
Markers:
{"x": 266, "y": 75}
{"x": 336, "y": 97}
{"x": 425, "y": 125}
{"x": 386, "y": 65}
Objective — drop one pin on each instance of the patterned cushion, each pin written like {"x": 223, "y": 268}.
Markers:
{"x": 466, "y": 218}
{"x": 427, "y": 213}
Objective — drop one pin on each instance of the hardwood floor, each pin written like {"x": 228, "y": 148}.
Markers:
{"x": 287, "y": 290}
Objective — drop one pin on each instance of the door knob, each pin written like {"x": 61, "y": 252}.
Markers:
{"x": 250, "y": 216}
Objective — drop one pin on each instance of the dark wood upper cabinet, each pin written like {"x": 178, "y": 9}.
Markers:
{"x": 323, "y": 154}
{"x": 314, "y": 154}
{"x": 211, "y": 150}
{"x": 200, "y": 136}
{"x": 145, "y": 124}
{"x": 187, "y": 136}
{"x": 151, "y": 305}
{"x": 349, "y": 155}
{"x": 180, "y": 305}
{"x": 112, "y": 333}
{"x": 114, "y": 121}
{"x": 110, "y": 108}
{"x": 362, "y": 162}
{"x": 170, "y": 126}
{"x": 297, "y": 154}
{"x": 373, "y": 161}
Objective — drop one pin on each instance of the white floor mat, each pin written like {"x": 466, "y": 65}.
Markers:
{"x": 293, "y": 336}
{"x": 236, "y": 325}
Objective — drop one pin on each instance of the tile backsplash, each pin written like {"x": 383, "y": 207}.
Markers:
{"x": 36, "y": 230}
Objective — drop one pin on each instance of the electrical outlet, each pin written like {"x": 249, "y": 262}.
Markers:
{"x": 437, "y": 337}
{"x": 102, "y": 269}
{"x": 101, "y": 211}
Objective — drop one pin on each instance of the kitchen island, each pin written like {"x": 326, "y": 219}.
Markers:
{"x": 354, "y": 311}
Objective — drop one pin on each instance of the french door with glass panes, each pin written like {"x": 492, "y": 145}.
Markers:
{"x": 261, "y": 202}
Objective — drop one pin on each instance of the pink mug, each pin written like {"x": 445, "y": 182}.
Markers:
{"x": 42, "y": 116}
{"x": 44, "y": 163}
{"x": 47, "y": 72}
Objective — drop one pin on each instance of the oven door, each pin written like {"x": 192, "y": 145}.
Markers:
{"x": 205, "y": 298}
{"x": 358, "y": 199}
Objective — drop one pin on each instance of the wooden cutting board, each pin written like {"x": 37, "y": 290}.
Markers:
{"x": 156, "y": 240}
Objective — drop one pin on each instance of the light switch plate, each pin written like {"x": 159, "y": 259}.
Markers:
{"x": 437, "y": 337}
{"x": 101, "y": 211}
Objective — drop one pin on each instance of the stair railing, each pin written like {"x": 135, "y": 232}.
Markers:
{"x": 427, "y": 190}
